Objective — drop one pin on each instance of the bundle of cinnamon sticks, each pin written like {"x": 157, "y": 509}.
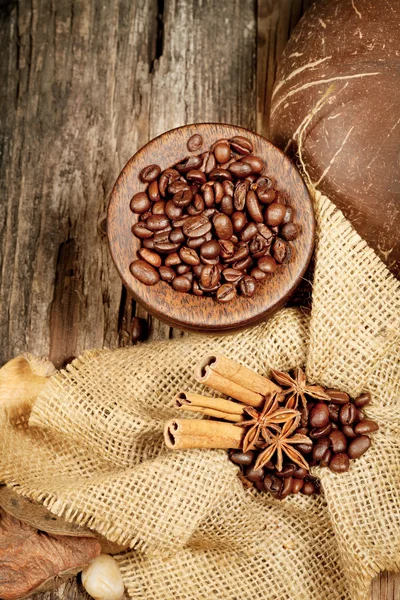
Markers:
{"x": 226, "y": 377}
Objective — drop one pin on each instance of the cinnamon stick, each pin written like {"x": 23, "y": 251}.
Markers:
{"x": 235, "y": 380}
{"x": 212, "y": 407}
{"x": 181, "y": 434}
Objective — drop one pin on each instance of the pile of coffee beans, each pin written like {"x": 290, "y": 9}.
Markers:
{"x": 338, "y": 431}
{"x": 212, "y": 224}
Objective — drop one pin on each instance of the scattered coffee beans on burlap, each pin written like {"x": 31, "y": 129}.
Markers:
{"x": 212, "y": 224}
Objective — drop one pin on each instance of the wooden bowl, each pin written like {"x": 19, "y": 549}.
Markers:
{"x": 186, "y": 311}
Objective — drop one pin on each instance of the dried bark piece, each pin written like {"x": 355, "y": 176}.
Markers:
{"x": 29, "y": 559}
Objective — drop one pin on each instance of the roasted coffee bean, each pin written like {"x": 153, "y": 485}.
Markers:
{"x": 197, "y": 270}
{"x": 258, "y": 274}
{"x": 287, "y": 471}
{"x": 297, "y": 484}
{"x": 196, "y": 289}
{"x": 182, "y": 269}
{"x": 238, "y": 221}
{"x": 152, "y": 258}
{"x": 240, "y": 169}
{"x": 139, "y": 329}
{"x": 339, "y": 463}
{"x": 218, "y": 192}
{"x": 248, "y": 286}
{"x": 140, "y": 203}
{"x": 180, "y": 221}
{"x": 254, "y": 474}
{"x": 153, "y": 191}
{"x": 338, "y": 441}
{"x": 176, "y": 236}
{"x": 196, "y": 226}
{"x": 249, "y": 232}
{"x": 267, "y": 264}
{"x": 197, "y": 206}
{"x": 181, "y": 284}
{"x": 274, "y": 214}
{"x": 287, "y": 488}
{"x": 300, "y": 472}
{"x": 210, "y": 249}
{"x": 232, "y": 275}
{"x": 320, "y": 432}
{"x": 227, "y": 249}
{"x": 240, "y": 194}
{"x": 177, "y": 186}
{"x": 308, "y": 488}
{"x": 362, "y": 400}
{"x": 208, "y": 195}
{"x": 210, "y": 276}
{"x": 167, "y": 177}
{"x": 227, "y": 205}
{"x": 256, "y": 163}
{"x": 141, "y": 231}
{"x": 194, "y": 143}
{"x": 265, "y": 232}
{"x": 253, "y": 207}
{"x": 222, "y": 152}
{"x": 334, "y": 410}
{"x": 196, "y": 176}
{"x": 226, "y": 292}
{"x": 348, "y": 414}
{"x": 228, "y": 188}
{"x": 360, "y": 416}
{"x": 210, "y": 261}
{"x": 304, "y": 448}
{"x": 366, "y": 426}
{"x": 244, "y": 459}
{"x": 326, "y": 459}
{"x": 241, "y": 252}
{"x": 144, "y": 272}
{"x": 172, "y": 211}
{"x": 219, "y": 174}
{"x": 280, "y": 250}
{"x": 273, "y": 484}
{"x": 319, "y": 415}
{"x": 289, "y": 214}
{"x": 266, "y": 195}
{"x": 338, "y": 397}
{"x": 157, "y": 222}
{"x": 223, "y": 227}
{"x": 145, "y": 216}
{"x": 150, "y": 173}
{"x": 335, "y": 425}
{"x": 189, "y": 275}
{"x": 189, "y": 256}
{"x": 320, "y": 448}
{"x": 290, "y": 231}
{"x": 349, "y": 431}
{"x": 192, "y": 162}
{"x": 163, "y": 245}
{"x": 244, "y": 264}
{"x": 358, "y": 446}
{"x": 148, "y": 243}
{"x": 173, "y": 259}
{"x": 166, "y": 273}
{"x": 258, "y": 246}
{"x": 195, "y": 243}
{"x": 159, "y": 208}
{"x": 183, "y": 198}
{"x": 209, "y": 163}
{"x": 241, "y": 145}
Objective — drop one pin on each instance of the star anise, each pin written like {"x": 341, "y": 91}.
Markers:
{"x": 260, "y": 422}
{"x": 297, "y": 387}
{"x": 282, "y": 443}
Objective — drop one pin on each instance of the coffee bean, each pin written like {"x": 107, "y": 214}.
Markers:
{"x": 287, "y": 488}
{"x": 338, "y": 441}
{"x": 287, "y": 471}
{"x": 153, "y": 191}
{"x": 366, "y": 426}
{"x": 290, "y": 231}
{"x": 197, "y": 206}
{"x": 248, "y": 286}
{"x": 196, "y": 289}
{"x": 210, "y": 276}
{"x": 138, "y": 329}
{"x": 297, "y": 484}
{"x": 226, "y": 292}
{"x": 289, "y": 213}
{"x": 145, "y": 216}
{"x": 362, "y": 400}
{"x": 253, "y": 207}
{"x": 304, "y": 448}
{"x": 177, "y": 186}
{"x": 258, "y": 274}
{"x": 258, "y": 246}
{"x": 159, "y": 208}
{"x": 157, "y": 222}
{"x": 196, "y": 176}
{"x": 358, "y": 446}
{"x": 208, "y": 195}
{"x": 274, "y": 214}
{"x": 280, "y": 250}
{"x": 144, "y": 272}
{"x": 181, "y": 284}
{"x": 152, "y": 258}
{"x": 173, "y": 259}
{"x": 166, "y": 273}
{"x": 209, "y": 163}
{"x": 148, "y": 243}
{"x": 189, "y": 256}
{"x": 300, "y": 472}
{"x": 227, "y": 205}
{"x": 256, "y": 163}
{"x": 220, "y": 174}
{"x": 210, "y": 249}
{"x": 222, "y": 152}
{"x": 189, "y": 275}
{"x": 241, "y": 144}
{"x": 183, "y": 198}
{"x": 223, "y": 226}
{"x": 227, "y": 249}
{"x": 254, "y": 474}
{"x": 186, "y": 165}
{"x": 266, "y": 195}
{"x": 273, "y": 484}
{"x": 232, "y": 275}
{"x": 167, "y": 177}
{"x": 320, "y": 448}
{"x": 338, "y": 397}
{"x": 176, "y": 236}
{"x": 308, "y": 488}
{"x": 240, "y": 169}
{"x": 197, "y": 270}
{"x": 348, "y": 431}
{"x": 334, "y": 410}
{"x": 267, "y": 264}
{"x": 339, "y": 463}
{"x": 320, "y": 432}
{"x": 218, "y": 192}
{"x": 140, "y": 203}
{"x": 319, "y": 415}
{"x": 196, "y": 243}
{"x": 348, "y": 414}
{"x": 244, "y": 264}
{"x": 240, "y": 194}
{"x": 172, "y": 211}
{"x": 141, "y": 231}
{"x": 196, "y": 226}
{"x": 243, "y": 459}
{"x": 228, "y": 188}
{"x": 238, "y": 221}
{"x": 249, "y": 232}
{"x": 194, "y": 143}
{"x": 265, "y": 232}
{"x": 150, "y": 173}
{"x": 326, "y": 459}
{"x": 182, "y": 269}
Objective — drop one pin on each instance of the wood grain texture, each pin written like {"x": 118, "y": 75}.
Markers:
{"x": 187, "y": 311}
{"x": 83, "y": 85}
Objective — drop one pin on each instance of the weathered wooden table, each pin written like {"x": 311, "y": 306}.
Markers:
{"x": 84, "y": 84}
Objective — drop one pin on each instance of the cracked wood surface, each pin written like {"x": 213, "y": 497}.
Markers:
{"x": 83, "y": 86}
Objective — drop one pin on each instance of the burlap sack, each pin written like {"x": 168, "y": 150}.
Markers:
{"x": 94, "y": 452}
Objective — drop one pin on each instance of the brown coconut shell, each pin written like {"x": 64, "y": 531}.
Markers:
{"x": 351, "y": 145}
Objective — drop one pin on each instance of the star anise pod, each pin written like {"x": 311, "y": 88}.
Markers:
{"x": 297, "y": 387}
{"x": 260, "y": 422}
{"x": 283, "y": 443}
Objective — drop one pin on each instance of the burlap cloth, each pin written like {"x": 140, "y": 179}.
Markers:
{"x": 94, "y": 451}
